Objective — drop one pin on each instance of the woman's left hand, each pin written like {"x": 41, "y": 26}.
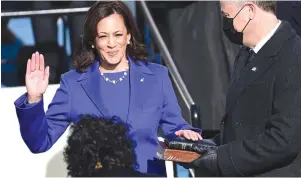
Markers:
{"x": 189, "y": 134}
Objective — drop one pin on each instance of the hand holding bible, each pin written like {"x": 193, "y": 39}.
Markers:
{"x": 182, "y": 150}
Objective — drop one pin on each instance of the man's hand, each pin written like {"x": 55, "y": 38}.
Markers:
{"x": 207, "y": 164}
{"x": 189, "y": 135}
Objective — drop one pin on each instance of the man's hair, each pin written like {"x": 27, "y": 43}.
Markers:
{"x": 98, "y": 143}
{"x": 268, "y": 6}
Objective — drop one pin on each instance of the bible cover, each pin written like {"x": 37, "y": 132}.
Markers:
{"x": 175, "y": 155}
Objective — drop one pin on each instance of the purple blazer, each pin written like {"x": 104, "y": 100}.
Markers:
{"x": 153, "y": 105}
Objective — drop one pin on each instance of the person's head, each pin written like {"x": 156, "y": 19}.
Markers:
{"x": 246, "y": 21}
{"x": 98, "y": 144}
{"x": 110, "y": 34}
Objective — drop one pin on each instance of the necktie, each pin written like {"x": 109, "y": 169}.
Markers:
{"x": 251, "y": 54}
{"x": 246, "y": 57}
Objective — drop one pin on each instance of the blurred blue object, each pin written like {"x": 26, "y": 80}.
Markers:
{"x": 157, "y": 59}
{"x": 147, "y": 39}
{"x": 9, "y": 53}
{"x": 182, "y": 172}
{"x": 152, "y": 56}
{"x": 22, "y": 28}
{"x": 19, "y": 33}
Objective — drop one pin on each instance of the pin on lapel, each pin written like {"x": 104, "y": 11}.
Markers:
{"x": 254, "y": 69}
{"x": 142, "y": 80}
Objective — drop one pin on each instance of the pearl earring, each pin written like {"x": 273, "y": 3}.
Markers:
{"x": 128, "y": 42}
{"x": 92, "y": 46}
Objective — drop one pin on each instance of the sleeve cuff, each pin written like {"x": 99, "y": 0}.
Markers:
{"x": 29, "y": 112}
{"x": 22, "y": 102}
{"x": 197, "y": 130}
{"x": 188, "y": 127}
{"x": 225, "y": 162}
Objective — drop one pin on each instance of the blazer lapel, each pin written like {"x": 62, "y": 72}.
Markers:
{"x": 140, "y": 85}
{"x": 237, "y": 69}
{"x": 248, "y": 75}
{"x": 90, "y": 82}
{"x": 261, "y": 62}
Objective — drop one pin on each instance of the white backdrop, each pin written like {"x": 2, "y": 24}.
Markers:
{"x": 15, "y": 158}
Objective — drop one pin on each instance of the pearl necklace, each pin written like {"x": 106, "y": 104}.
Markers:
{"x": 125, "y": 73}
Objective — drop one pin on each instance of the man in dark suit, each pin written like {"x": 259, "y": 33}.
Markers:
{"x": 261, "y": 129}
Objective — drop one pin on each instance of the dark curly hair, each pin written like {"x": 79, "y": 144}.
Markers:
{"x": 86, "y": 55}
{"x": 97, "y": 144}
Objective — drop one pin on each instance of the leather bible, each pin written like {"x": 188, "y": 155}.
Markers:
{"x": 175, "y": 155}
{"x": 182, "y": 150}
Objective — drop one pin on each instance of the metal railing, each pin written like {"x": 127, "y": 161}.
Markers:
{"x": 194, "y": 109}
{"x": 44, "y": 12}
{"x": 190, "y": 104}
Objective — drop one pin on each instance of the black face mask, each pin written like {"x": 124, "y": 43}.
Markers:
{"x": 229, "y": 30}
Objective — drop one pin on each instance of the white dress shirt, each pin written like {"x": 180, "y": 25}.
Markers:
{"x": 266, "y": 38}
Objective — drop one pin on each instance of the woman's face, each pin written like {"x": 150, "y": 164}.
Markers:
{"x": 112, "y": 39}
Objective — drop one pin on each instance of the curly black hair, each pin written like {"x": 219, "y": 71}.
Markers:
{"x": 98, "y": 143}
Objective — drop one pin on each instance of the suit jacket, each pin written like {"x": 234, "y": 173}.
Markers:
{"x": 260, "y": 131}
{"x": 153, "y": 104}
{"x": 291, "y": 12}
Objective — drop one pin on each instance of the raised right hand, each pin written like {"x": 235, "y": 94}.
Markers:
{"x": 36, "y": 78}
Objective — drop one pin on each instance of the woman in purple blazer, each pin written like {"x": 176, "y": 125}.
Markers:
{"x": 111, "y": 78}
